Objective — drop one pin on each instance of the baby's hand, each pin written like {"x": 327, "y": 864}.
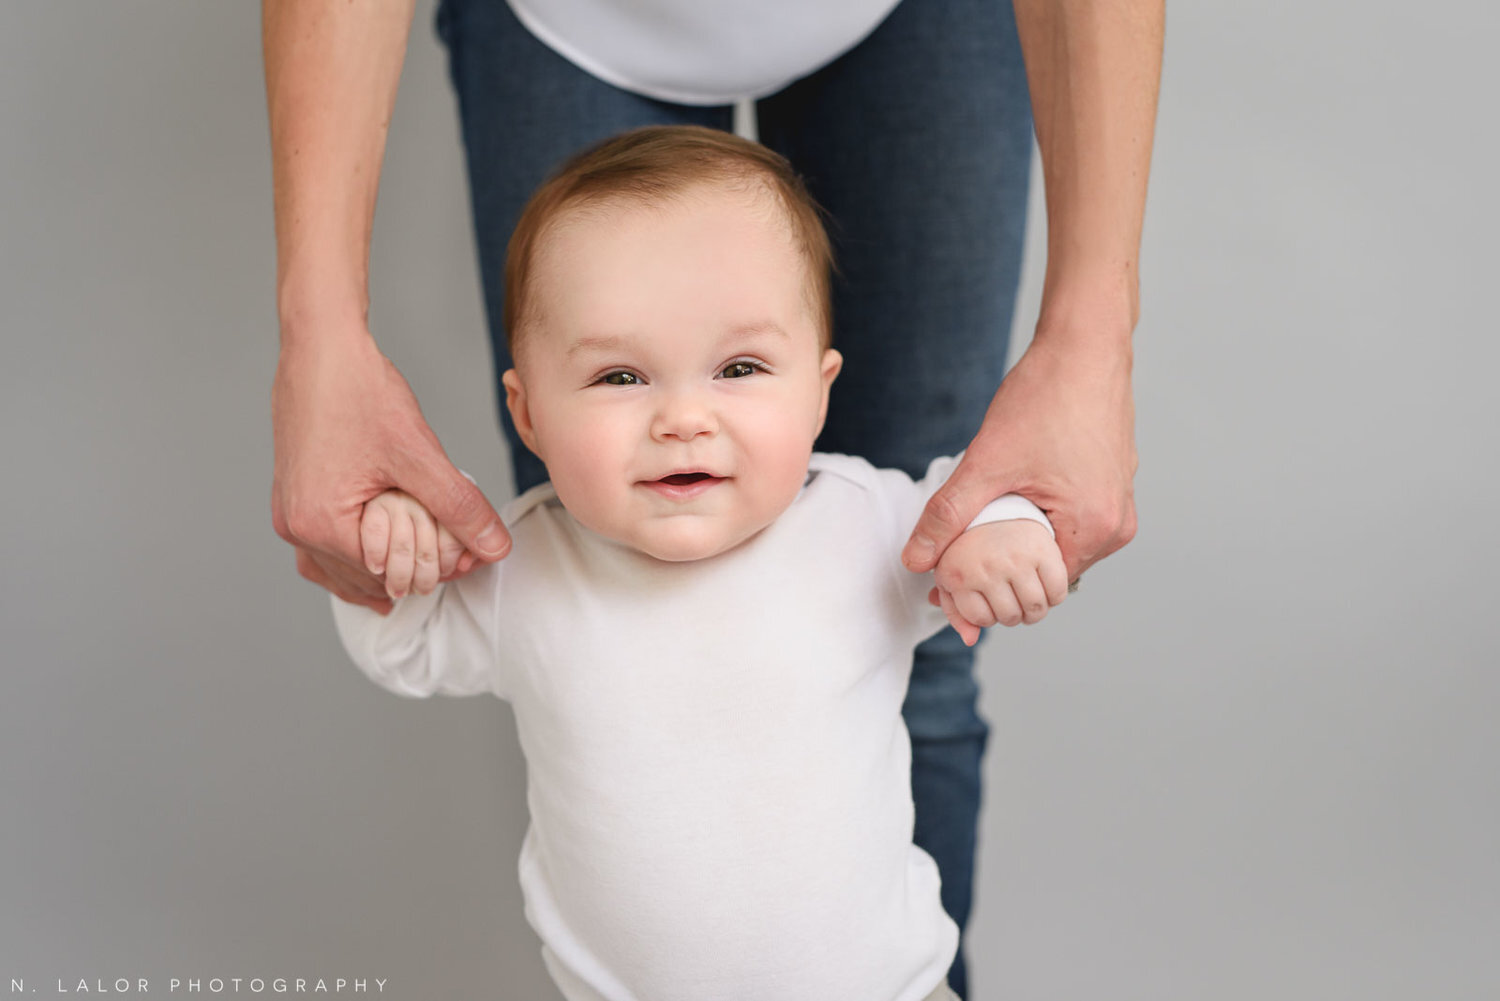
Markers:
{"x": 401, "y": 539}
{"x": 1002, "y": 572}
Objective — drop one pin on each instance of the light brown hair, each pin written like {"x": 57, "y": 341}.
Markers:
{"x": 655, "y": 163}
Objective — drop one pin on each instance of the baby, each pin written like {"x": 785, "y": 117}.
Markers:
{"x": 703, "y": 626}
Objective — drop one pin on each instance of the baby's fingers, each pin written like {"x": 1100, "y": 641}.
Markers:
{"x": 449, "y": 552}
{"x": 973, "y": 606}
{"x": 401, "y": 563}
{"x": 375, "y": 536}
{"x": 1031, "y": 598}
{"x": 1054, "y": 577}
{"x": 1002, "y": 602}
{"x": 425, "y": 576}
{"x": 966, "y": 630}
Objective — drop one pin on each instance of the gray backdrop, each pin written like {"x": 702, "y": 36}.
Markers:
{"x": 1253, "y": 757}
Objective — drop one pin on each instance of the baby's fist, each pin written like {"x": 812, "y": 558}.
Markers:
{"x": 1000, "y": 573}
{"x": 402, "y": 540}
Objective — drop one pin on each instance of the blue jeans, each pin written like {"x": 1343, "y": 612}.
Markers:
{"x": 918, "y": 142}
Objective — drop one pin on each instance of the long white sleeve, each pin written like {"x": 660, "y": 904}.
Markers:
{"x": 439, "y": 643}
{"x": 1003, "y": 508}
{"x": 904, "y": 499}
{"x": 1010, "y": 506}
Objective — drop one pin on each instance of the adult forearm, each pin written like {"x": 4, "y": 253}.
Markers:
{"x": 1094, "y": 69}
{"x": 332, "y": 68}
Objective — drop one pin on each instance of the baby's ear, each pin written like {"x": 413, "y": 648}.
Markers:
{"x": 832, "y": 364}
{"x": 829, "y": 370}
{"x": 520, "y": 410}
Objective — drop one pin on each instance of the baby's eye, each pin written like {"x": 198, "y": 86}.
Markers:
{"x": 739, "y": 369}
{"x": 620, "y": 379}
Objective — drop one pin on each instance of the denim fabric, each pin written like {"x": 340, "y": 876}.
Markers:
{"x": 918, "y": 142}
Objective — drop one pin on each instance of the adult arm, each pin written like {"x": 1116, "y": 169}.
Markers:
{"x": 1061, "y": 428}
{"x": 346, "y": 424}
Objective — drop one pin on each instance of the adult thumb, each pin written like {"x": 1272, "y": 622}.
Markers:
{"x": 948, "y": 513}
{"x": 459, "y": 506}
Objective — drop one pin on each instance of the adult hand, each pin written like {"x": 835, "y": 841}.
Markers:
{"x": 347, "y": 426}
{"x": 1060, "y": 432}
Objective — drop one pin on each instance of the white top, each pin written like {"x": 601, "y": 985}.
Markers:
{"x": 718, "y": 772}
{"x": 701, "y": 51}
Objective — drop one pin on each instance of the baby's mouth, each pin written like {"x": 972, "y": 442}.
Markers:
{"x": 684, "y": 486}
{"x": 683, "y": 479}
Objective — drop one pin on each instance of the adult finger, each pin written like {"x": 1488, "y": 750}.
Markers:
{"x": 1088, "y": 531}
{"x": 347, "y": 583}
{"x": 947, "y": 514}
{"x": 454, "y": 501}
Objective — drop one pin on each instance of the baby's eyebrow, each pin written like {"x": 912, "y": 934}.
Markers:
{"x": 609, "y": 343}
{"x": 762, "y": 327}
{"x": 612, "y": 342}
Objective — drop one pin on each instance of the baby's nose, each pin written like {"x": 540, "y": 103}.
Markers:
{"x": 685, "y": 416}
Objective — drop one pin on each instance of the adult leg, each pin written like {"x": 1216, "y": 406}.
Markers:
{"x": 918, "y": 142}
{"x": 523, "y": 109}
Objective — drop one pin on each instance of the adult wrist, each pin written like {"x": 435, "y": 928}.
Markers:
{"x": 305, "y": 321}
{"x": 1100, "y": 305}
{"x": 310, "y": 299}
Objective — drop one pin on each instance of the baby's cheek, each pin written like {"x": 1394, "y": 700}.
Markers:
{"x": 582, "y": 461}
{"x": 582, "y": 492}
{"x": 787, "y": 472}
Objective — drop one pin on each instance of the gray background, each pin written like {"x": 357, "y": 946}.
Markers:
{"x": 1255, "y": 756}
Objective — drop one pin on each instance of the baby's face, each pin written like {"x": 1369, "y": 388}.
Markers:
{"x": 673, "y": 380}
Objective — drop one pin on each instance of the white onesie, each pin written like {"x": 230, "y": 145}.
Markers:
{"x": 718, "y": 772}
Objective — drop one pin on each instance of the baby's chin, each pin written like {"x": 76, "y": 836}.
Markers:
{"x": 684, "y": 538}
{"x": 688, "y": 547}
